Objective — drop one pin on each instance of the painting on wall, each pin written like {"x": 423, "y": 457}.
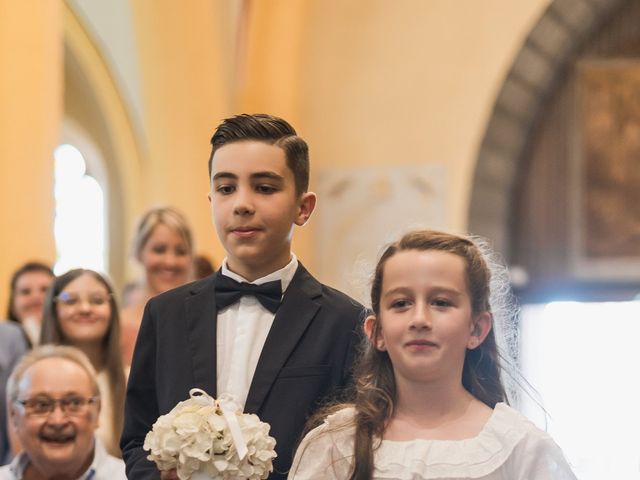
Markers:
{"x": 363, "y": 209}
{"x": 606, "y": 171}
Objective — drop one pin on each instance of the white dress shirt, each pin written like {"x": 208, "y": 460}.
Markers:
{"x": 242, "y": 329}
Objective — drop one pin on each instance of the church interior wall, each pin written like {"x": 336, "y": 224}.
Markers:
{"x": 367, "y": 83}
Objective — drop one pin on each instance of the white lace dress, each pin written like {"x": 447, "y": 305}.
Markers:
{"x": 509, "y": 447}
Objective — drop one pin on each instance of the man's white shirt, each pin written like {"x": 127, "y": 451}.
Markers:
{"x": 241, "y": 332}
{"x": 103, "y": 467}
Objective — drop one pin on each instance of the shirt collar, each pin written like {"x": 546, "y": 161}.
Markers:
{"x": 19, "y": 464}
{"x": 21, "y": 461}
{"x": 285, "y": 274}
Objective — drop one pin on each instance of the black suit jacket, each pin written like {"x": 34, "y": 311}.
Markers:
{"x": 307, "y": 357}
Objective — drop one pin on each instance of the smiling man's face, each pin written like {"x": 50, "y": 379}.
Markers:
{"x": 60, "y": 442}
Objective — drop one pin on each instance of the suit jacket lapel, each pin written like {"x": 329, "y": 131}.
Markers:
{"x": 201, "y": 314}
{"x": 292, "y": 318}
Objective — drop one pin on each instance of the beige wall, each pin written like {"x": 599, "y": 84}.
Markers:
{"x": 183, "y": 99}
{"x": 30, "y": 112}
{"x": 376, "y": 82}
{"x": 366, "y": 82}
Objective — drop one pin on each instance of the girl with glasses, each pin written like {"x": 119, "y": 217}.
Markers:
{"x": 80, "y": 310}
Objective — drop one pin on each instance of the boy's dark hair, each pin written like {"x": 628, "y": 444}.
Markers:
{"x": 272, "y": 131}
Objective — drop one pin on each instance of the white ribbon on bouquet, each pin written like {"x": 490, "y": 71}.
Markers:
{"x": 229, "y": 408}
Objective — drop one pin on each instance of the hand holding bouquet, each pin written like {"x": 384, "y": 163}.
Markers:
{"x": 202, "y": 436}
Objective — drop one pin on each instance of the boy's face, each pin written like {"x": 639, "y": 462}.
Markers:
{"x": 254, "y": 206}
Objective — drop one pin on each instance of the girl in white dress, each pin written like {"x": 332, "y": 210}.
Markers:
{"x": 429, "y": 399}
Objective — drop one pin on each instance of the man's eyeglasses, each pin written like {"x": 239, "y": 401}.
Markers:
{"x": 43, "y": 406}
{"x": 70, "y": 300}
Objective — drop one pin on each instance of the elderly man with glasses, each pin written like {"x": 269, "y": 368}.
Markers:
{"x": 54, "y": 403}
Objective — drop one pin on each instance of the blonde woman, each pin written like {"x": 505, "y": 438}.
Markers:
{"x": 164, "y": 247}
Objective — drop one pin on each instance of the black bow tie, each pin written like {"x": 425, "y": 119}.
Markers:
{"x": 228, "y": 292}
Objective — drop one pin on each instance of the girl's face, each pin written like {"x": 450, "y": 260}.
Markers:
{"x": 425, "y": 316}
{"x": 84, "y": 310}
{"x": 166, "y": 259}
{"x": 30, "y": 290}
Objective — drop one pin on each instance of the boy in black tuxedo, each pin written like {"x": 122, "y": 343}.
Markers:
{"x": 261, "y": 329}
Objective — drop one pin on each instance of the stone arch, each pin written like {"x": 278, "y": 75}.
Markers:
{"x": 94, "y": 101}
{"x": 534, "y": 75}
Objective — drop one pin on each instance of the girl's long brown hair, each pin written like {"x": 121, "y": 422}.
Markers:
{"x": 375, "y": 387}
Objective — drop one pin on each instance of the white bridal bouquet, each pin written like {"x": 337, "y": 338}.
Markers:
{"x": 207, "y": 438}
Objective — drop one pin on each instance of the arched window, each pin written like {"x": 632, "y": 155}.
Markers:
{"x": 80, "y": 206}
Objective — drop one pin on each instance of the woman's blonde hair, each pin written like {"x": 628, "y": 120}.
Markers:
{"x": 168, "y": 216}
